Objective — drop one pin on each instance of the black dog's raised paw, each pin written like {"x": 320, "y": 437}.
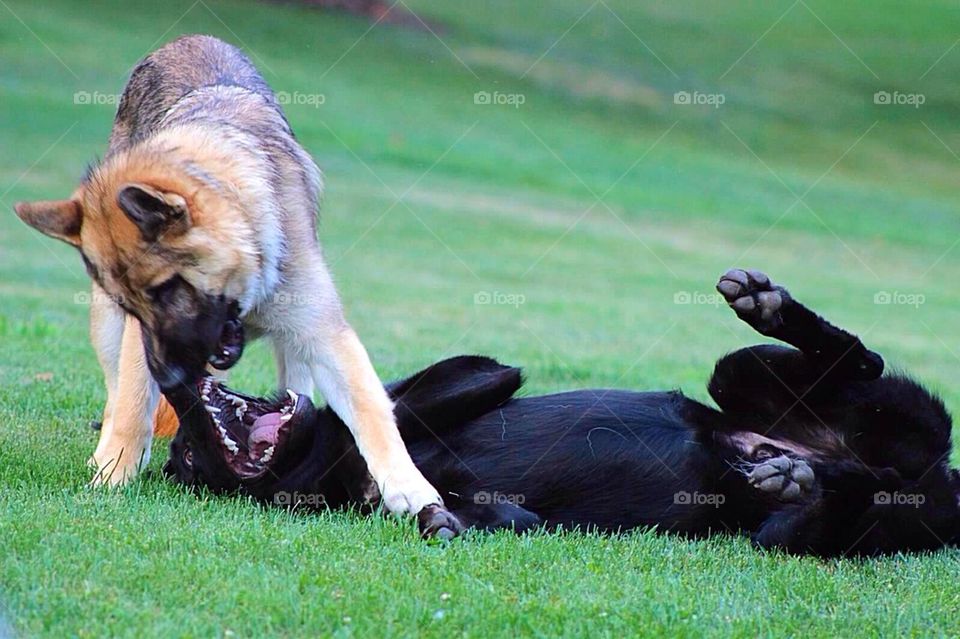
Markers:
{"x": 783, "y": 477}
{"x": 436, "y": 522}
{"x": 754, "y": 298}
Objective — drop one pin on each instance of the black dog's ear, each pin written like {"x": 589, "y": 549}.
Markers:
{"x": 154, "y": 212}
{"x": 450, "y": 393}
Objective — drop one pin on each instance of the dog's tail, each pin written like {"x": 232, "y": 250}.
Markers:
{"x": 165, "y": 422}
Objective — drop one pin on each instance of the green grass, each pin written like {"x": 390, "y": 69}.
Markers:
{"x": 497, "y": 199}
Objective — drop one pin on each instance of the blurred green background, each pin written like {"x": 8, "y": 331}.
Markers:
{"x": 557, "y": 184}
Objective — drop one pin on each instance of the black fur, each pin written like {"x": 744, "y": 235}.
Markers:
{"x": 612, "y": 460}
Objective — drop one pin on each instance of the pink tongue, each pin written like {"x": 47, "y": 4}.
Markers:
{"x": 264, "y": 430}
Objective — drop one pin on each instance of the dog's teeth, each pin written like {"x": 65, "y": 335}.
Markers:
{"x": 293, "y": 396}
{"x": 212, "y": 409}
{"x": 285, "y": 418}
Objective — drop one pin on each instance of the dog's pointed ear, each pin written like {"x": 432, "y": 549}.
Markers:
{"x": 60, "y": 219}
{"x": 154, "y": 212}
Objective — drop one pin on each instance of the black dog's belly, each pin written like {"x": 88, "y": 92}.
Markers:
{"x": 605, "y": 460}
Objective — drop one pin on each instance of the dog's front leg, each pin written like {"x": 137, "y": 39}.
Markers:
{"x": 345, "y": 376}
{"x": 106, "y": 334}
{"x": 124, "y": 446}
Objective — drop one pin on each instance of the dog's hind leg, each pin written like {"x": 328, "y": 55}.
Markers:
{"x": 831, "y": 521}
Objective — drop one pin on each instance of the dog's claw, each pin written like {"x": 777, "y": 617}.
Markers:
{"x": 436, "y": 522}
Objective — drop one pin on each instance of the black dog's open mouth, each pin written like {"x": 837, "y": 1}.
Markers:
{"x": 252, "y": 431}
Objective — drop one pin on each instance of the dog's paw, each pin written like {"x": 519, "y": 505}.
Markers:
{"x": 408, "y": 493}
{"x": 754, "y": 298}
{"x": 116, "y": 465}
{"x": 782, "y": 477}
{"x": 436, "y": 522}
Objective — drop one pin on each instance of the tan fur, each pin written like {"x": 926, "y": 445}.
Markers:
{"x": 198, "y": 130}
{"x": 165, "y": 422}
{"x": 217, "y": 218}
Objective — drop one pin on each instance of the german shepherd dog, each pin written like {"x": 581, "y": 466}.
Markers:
{"x": 813, "y": 449}
{"x": 198, "y": 228}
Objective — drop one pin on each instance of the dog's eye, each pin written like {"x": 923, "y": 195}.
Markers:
{"x": 188, "y": 457}
{"x": 165, "y": 292}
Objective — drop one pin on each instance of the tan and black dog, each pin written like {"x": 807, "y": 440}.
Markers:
{"x": 200, "y": 224}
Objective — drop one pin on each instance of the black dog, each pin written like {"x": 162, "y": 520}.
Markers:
{"x": 812, "y": 450}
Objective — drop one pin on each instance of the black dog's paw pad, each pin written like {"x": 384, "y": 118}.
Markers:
{"x": 436, "y": 522}
{"x": 754, "y": 298}
{"x": 782, "y": 477}
{"x": 745, "y": 304}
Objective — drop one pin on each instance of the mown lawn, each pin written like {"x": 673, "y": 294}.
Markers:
{"x": 598, "y": 206}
